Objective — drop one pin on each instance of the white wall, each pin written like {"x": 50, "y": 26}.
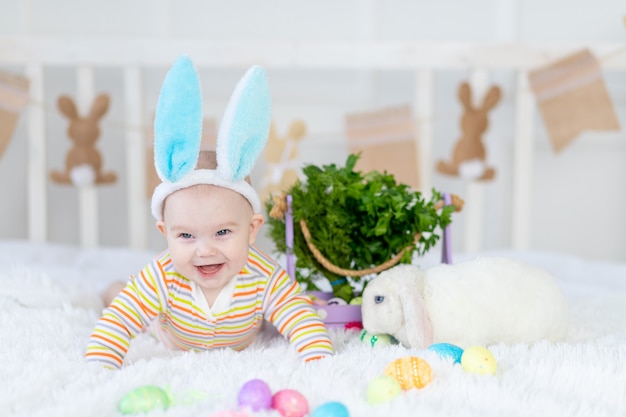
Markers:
{"x": 577, "y": 195}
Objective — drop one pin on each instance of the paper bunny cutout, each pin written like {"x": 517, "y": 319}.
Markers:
{"x": 281, "y": 157}
{"x": 83, "y": 163}
{"x": 241, "y": 137}
{"x": 469, "y": 154}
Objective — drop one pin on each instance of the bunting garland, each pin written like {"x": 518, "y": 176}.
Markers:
{"x": 386, "y": 140}
{"x": 13, "y": 99}
{"x": 572, "y": 98}
{"x": 282, "y": 159}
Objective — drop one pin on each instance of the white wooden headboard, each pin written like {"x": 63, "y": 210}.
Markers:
{"x": 132, "y": 56}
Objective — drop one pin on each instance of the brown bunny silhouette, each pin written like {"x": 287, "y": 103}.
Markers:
{"x": 468, "y": 157}
{"x": 83, "y": 163}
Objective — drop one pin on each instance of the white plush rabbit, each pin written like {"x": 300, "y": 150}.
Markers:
{"x": 479, "y": 302}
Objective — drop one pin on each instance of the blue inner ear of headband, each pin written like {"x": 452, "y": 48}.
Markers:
{"x": 178, "y": 121}
{"x": 247, "y": 122}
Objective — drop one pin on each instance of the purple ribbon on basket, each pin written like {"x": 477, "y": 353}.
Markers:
{"x": 291, "y": 266}
{"x": 446, "y": 252}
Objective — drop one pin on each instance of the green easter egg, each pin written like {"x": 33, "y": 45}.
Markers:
{"x": 144, "y": 399}
{"x": 383, "y": 388}
{"x": 376, "y": 340}
{"x": 356, "y": 301}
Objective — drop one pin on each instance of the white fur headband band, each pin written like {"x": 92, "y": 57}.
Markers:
{"x": 241, "y": 137}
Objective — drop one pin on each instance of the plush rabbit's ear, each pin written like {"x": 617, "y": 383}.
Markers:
{"x": 245, "y": 126}
{"x": 178, "y": 122}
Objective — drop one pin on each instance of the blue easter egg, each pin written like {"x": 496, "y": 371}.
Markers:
{"x": 447, "y": 350}
{"x": 331, "y": 409}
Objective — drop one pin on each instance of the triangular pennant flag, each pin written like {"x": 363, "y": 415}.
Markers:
{"x": 282, "y": 164}
{"x": 386, "y": 140}
{"x": 572, "y": 98}
{"x": 13, "y": 98}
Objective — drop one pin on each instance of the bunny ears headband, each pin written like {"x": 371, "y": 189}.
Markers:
{"x": 241, "y": 137}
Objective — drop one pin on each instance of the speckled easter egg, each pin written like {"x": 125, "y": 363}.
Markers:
{"x": 478, "y": 360}
{"x": 375, "y": 340}
{"x": 290, "y": 403}
{"x": 447, "y": 351}
{"x": 383, "y": 388}
{"x": 410, "y": 372}
{"x": 255, "y": 394}
{"x": 331, "y": 409}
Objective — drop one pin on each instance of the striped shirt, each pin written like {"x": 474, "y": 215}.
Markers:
{"x": 261, "y": 291}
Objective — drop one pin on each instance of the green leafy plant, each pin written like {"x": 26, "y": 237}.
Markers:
{"x": 357, "y": 221}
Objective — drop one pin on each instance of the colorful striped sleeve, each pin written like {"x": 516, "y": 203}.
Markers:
{"x": 291, "y": 311}
{"x": 131, "y": 310}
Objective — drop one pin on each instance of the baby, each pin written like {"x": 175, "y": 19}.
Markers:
{"x": 211, "y": 288}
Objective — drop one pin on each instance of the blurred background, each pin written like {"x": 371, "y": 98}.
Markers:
{"x": 576, "y": 199}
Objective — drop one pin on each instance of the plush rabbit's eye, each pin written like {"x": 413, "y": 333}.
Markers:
{"x": 379, "y": 299}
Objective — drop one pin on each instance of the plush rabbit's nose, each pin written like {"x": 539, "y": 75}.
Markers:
{"x": 379, "y": 299}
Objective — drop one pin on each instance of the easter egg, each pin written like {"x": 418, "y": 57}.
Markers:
{"x": 255, "y": 394}
{"x": 376, "y": 340}
{"x": 410, "y": 372}
{"x": 356, "y": 301}
{"x": 144, "y": 399}
{"x": 331, "y": 409}
{"x": 478, "y": 360}
{"x": 447, "y": 351}
{"x": 290, "y": 403}
{"x": 383, "y": 388}
{"x": 336, "y": 301}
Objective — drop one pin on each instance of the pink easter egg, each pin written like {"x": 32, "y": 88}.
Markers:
{"x": 290, "y": 403}
{"x": 255, "y": 394}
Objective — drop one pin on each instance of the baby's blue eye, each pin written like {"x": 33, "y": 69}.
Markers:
{"x": 379, "y": 299}
{"x": 186, "y": 235}
{"x": 223, "y": 232}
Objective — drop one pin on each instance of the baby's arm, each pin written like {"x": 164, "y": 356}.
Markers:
{"x": 131, "y": 310}
{"x": 292, "y": 313}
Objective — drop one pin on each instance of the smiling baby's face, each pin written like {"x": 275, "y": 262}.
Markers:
{"x": 208, "y": 231}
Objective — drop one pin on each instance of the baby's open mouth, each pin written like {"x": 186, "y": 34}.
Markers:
{"x": 209, "y": 269}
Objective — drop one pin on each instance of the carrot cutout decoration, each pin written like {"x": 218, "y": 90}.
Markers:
{"x": 151, "y": 397}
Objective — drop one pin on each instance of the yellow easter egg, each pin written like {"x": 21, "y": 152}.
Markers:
{"x": 410, "y": 372}
{"x": 478, "y": 360}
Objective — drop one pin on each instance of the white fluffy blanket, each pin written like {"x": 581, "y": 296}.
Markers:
{"x": 49, "y": 303}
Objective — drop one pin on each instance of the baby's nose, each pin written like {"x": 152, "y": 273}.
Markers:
{"x": 205, "y": 248}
